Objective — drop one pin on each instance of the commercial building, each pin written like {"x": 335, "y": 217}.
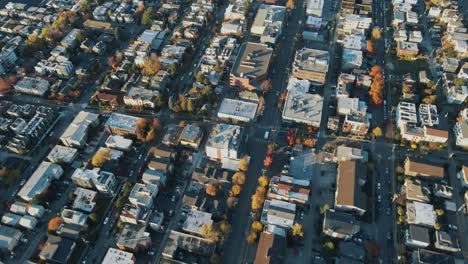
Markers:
{"x": 251, "y": 66}
{"x": 76, "y": 133}
{"x": 142, "y": 195}
{"x": 418, "y": 168}
{"x": 340, "y": 224}
{"x": 268, "y": 23}
{"x": 117, "y": 256}
{"x": 303, "y": 108}
{"x": 237, "y": 110}
{"x": 40, "y": 180}
{"x": 60, "y": 154}
{"x": 195, "y": 221}
{"x": 420, "y": 214}
{"x": 191, "y": 136}
{"x": 32, "y": 86}
{"x": 311, "y": 64}
{"x": 120, "y": 124}
{"x": 225, "y": 142}
{"x": 349, "y": 196}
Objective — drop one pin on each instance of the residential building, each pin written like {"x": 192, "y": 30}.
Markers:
{"x": 11, "y": 219}
{"x": 347, "y": 106}
{"x": 60, "y": 154}
{"x": 288, "y": 189}
{"x": 444, "y": 241}
{"x": 226, "y": 142}
{"x": 196, "y": 246}
{"x": 237, "y": 110}
{"x": 85, "y": 200}
{"x": 143, "y": 195}
{"x": 74, "y": 217}
{"x": 417, "y": 236}
{"x": 415, "y": 36}
{"x": 314, "y": 8}
{"x": 117, "y": 256}
{"x": 172, "y": 135}
{"x": 344, "y": 153}
{"x": 356, "y": 124}
{"x": 340, "y": 225}
{"x": 195, "y": 221}
{"x": 417, "y": 168}
{"x": 191, "y": 136}
{"x": 28, "y": 222}
{"x": 450, "y": 64}
{"x": 460, "y": 129}
{"x": 134, "y": 215}
{"x": 405, "y": 48}
{"x": 352, "y": 252}
{"x": 9, "y": 238}
{"x": 422, "y": 256}
{"x": 296, "y": 85}
{"x": 172, "y": 51}
{"x": 417, "y": 190}
{"x": 40, "y": 180}
{"x": 142, "y": 97}
{"x": 428, "y": 115}
{"x": 118, "y": 142}
{"x": 400, "y": 35}
{"x": 32, "y": 86}
{"x": 76, "y": 133}
{"x": 251, "y": 66}
{"x": 456, "y": 94}
{"x": 443, "y": 191}
{"x": 103, "y": 181}
{"x": 349, "y": 196}
{"x": 303, "y": 108}
{"x": 278, "y": 213}
{"x": 106, "y": 183}
{"x": 119, "y": 124}
{"x": 231, "y": 28}
{"x": 156, "y": 177}
{"x": 134, "y": 238}
{"x": 71, "y": 39}
{"x": 19, "y": 208}
{"x": 406, "y": 113}
{"x": 463, "y": 176}
{"x": 463, "y": 72}
{"x": 311, "y": 64}
{"x": 271, "y": 248}
{"x": 60, "y": 66}
{"x": 354, "y": 42}
{"x": 268, "y": 23}
{"x": 235, "y": 11}
{"x": 110, "y": 100}
{"x": 354, "y": 24}
{"x": 352, "y": 59}
{"x": 420, "y": 214}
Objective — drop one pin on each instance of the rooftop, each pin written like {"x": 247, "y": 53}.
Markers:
{"x": 193, "y": 244}
{"x": 311, "y": 60}
{"x": 224, "y": 136}
{"x": 118, "y": 142}
{"x": 348, "y": 189}
{"x": 417, "y": 190}
{"x": 303, "y": 108}
{"x": 40, "y": 180}
{"x": 117, "y": 256}
{"x": 410, "y": 46}
{"x": 195, "y": 221}
{"x": 62, "y": 154}
{"x": 237, "y": 109}
{"x": 252, "y": 60}
{"x": 85, "y": 200}
{"x": 121, "y": 121}
{"x": 271, "y": 249}
{"x": 133, "y": 237}
{"x": 297, "y": 85}
{"x": 420, "y": 213}
{"x": 191, "y": 133}
{"x": 340, "y": 222}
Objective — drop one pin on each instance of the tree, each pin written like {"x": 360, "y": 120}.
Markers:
{"x": 84, "y": 6}
{"x": 265, "y": 86}
{"x": 439, "y": 212}
{"x": 191, "y": 105}
{"x": 377, "y": 85}
{"x": 117, "y": 33}
{"x": 238, "y": 178}
{"x": 263, "y": 181}
{"x": 324, "y": 208}
{"x": 377, "y": 132}
{"x": 437, "y": 226}
{"x": 290, "y": 4}
{"x": 224, "y": 228}
{"x": 215, "y": 259}
{"x": 376, "y": 33}
{"x": 251, "y": 238}
{"x": 211, "y": 189}
{"x": 296, "y": 231}
{"x": 257, "y": 226}
{"x": 54, "y": 223}
{"x": 142, "y": 128}
{"x": 94, "y": 217}
{"x": 151, "y": 65}
{"x": 370, "y": 46}
{"x": 231, "y": 201}
{"x": 101, "y": 157}
{"x": 243, "y": 164}
{"x": 267, "y": 161}
{"x": 329, "y": 245}
{"x": 257, "y": 201}
{"x": 147, "y": 17}
{"x": 209, "y": 231}
{"x": 34, "y": 42}
{"x": 431, "y": 99}
{"x": 236, "y": 189}
{"x": 200, "y": 77}
{"x": 172, "y": 69}
{"x": 246, "y": 5}
{"x": 4, "y": 85}
{"x": 46, "y": 34}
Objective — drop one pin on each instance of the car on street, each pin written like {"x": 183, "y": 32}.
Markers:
{"x": 173, "y": 198}
{"x": 378, "y": 186}
{"x": 454, "y": 227}
{"x": 106, "y": 221}
{"x": 302, "y": 215}
{"x": 379, "y": 198}
{"x": 139, "y": 157}
{"x": 171, "y": 212}
{"x": 23, "y": 181}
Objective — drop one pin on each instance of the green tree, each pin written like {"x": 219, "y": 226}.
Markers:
{"x": 117, "y": 33}
{"x": 246, "y": 7}
{"x": 296, "y": 231}
{"x": 172, "y": 69}
{"x": 94, "y": 217}
{"x": 324, "y": 208}
{"x": 147, "y": 17}
{"x": 190, "y": 105}
{"x": 201, "y": 78}
{"x": 85, "y": 6}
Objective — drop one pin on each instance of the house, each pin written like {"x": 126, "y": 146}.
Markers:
{"x": 347, "y": 106}
{"x": 225, "y": 143}
{"x": 289, "y": 189}
{"x": 191, "y": 136}
{"x": 278, "y": 213}
{"x": 356, "y": 124}
{"x": 40, "y": 180}
{"x": 351, "y": 59}
{"x": 268, "y": 23}
{"x": 405, "y": 48}
{"x": 463, "y": 72}
{"x": 303, "y": 108}
{"x": 61, "y": 154}
{"x": 417, "y": 236}
{"x": 143, "y": 194}
{"x": 57, "y": 250}
{"x": 32, "y": 86}
{"x": 19, "y": 208}
{"x": 11, "y": 219}
{"x": 156, "y": 177}
{"x": 344, "y": 153}
{"x": 417, "y": 168}
{"x": 134, "y": 238}
{"x": 311, "y": 64}
{"x": 237, "y": 110}
{"x": 74, "y": 217}
{"x": 460, "y": 129}
{"x": 142, "y": 97}
{"x": 251, "y": 66}
{"x": 9, "y": 238}
{"x": 420, "y": 214}
{"x": 456, "y": 94}
{"x": 417, "y": 190}
{"x": 198, "y": 248}
{"x": 119, "y": 124}
{"x": 340, "y": 224}
{"x": 314, "y": 8}
{"x": 349, "y": 197}
{"x": 101, "y": 98}
{"x": 76, "y": 133}
{"x": 444, "y": 241}
{"x": 463, "y": 176}
{"x": 118, "y": 142}
{"x": 270, "y": 249}
{"x": 85, "y": 200}
{"x": 195, "y": 221}
{"x": 117, "y": 256}
{"x": 28, "y": 222}
{"x": 172, "y": 135}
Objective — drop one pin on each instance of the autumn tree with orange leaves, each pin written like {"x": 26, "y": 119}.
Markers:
{"x": 54, "y": 223}
{"x": 370, "y": 46}
{"x": 267, "y": 161}
{"x": 376, "y": 88}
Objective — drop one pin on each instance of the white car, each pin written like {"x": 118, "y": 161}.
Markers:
{"x": 106, "y": 220}
{"x": 378, "y": 186}
{"x": 23, "y": 181}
